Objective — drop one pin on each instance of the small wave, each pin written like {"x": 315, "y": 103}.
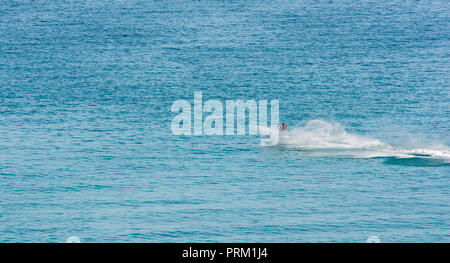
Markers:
{"x": 319, "y": 138}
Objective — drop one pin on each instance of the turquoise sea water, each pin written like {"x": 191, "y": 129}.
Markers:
{"x": 86, "y": 147}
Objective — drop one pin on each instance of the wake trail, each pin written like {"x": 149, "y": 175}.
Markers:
{"x": 320, "y": 138}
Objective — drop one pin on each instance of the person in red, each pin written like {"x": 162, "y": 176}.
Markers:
{"x": 284, "y": 127}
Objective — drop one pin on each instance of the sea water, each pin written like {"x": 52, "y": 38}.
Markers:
{"x": 87, "y": 150}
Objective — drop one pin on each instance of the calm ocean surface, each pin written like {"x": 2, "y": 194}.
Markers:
{"x": 86, "y": 147}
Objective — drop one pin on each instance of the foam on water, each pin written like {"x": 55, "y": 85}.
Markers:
{"x": 320, "y": 138}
